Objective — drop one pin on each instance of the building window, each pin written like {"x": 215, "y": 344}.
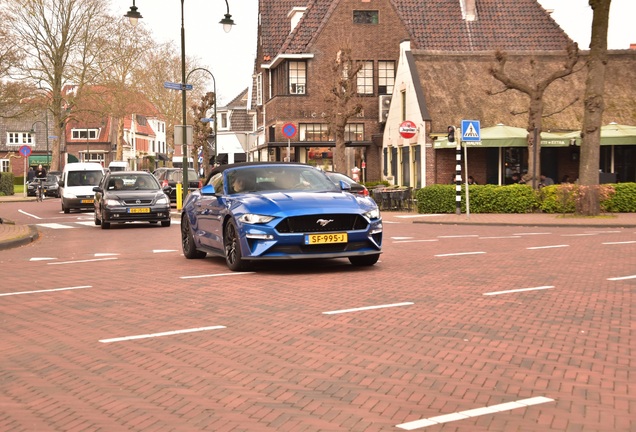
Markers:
{"x": 354, "y": 132}
{"x": 297, "y": 77}
{"x": 313, "y": 132}
{"x": 259, "y": 89}
{"x": 365, "y": 78}
{"x": 85, "y": 133}
{"x": 365, "y": 16}
{"x": 4, "y": 165}
{"x": 386, "y": 77}
{"x": 223, "y": 123}
{"x": 19, "y": 138}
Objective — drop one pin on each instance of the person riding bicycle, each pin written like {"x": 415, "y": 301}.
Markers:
{"x": 40, "y": 176}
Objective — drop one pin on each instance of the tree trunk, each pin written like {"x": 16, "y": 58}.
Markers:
{"x": 589, "y": 204}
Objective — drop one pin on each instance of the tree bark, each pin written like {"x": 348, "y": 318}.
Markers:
{"x": 589, "y": 203}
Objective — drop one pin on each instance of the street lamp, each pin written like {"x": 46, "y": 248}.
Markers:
{"x": 133, "y": 16}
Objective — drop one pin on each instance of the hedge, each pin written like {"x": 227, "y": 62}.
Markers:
{"x": 519, "y": 198}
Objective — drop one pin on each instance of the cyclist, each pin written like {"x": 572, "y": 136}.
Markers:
{"x": 40, "y": 176}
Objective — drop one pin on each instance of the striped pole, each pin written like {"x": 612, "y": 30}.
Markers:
{"x": 458, "y": 178}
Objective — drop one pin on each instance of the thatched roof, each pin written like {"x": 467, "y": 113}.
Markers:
{"x": 457, "y": 85}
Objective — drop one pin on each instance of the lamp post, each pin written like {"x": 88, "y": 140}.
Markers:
{"x": 46, "y": 126}
{"x": 133, "y": 15}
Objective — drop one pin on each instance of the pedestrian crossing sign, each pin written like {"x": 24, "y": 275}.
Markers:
{"x": 471, "y": 131}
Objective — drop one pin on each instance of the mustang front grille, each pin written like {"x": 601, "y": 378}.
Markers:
{"x": 322, "y": 223}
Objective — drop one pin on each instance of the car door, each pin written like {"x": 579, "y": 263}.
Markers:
{"x": 211, "y": 210}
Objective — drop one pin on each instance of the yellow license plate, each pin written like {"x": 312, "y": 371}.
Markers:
{"x": 88, "y": 201}
{"x": 311, "y": 239}
{"x": 139, "y": 210}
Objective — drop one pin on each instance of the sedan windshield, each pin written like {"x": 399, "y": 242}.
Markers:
{"x": 135, "y": 181}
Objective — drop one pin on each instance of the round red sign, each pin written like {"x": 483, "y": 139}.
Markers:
{"x": 408, "y": 129}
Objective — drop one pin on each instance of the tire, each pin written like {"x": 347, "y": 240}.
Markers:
{"x": 105, "y": 225}
{"x": 232, "y": 247}
{"x": 187, "y": 241}
{"x": 165, "y": 223}
{"x": 364, "y": 260}
{"x": 98, "y": 221}
{"x": 64, "y": 209}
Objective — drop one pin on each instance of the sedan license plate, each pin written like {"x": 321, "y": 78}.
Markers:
{"x": 139, "y": 210}
{"x": 312, "y": 239}
{"x": 88, "y": 201}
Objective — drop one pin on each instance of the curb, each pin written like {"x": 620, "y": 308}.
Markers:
{"x": 21, "y": 240}
{"x": 535, "y": 224}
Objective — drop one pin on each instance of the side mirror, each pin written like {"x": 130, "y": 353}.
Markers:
{"x": 208, "y": 190}
{"x": 97, "y": 189}
{"x": 60, "y": 183}
{"x": 345, "y": 186}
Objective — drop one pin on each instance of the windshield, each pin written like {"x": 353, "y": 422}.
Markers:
{"x": 84, "y": 178}
{"x": 277, "y": 178}
{"x": 135, "y": 181}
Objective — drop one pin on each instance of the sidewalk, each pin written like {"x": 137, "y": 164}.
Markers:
{"x": 12, "y": 235}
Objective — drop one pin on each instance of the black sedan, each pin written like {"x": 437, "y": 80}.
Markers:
{"x": 172, "y": 176}
{"x": 131, "y": 196}
{"x": 50, "y": 186}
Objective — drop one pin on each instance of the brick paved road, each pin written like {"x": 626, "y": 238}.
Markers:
{"x": 268, "y": 356}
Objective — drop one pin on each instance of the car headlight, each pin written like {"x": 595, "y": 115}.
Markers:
{"x": 112, "y": 203}
{"x": 163, "y": 200}
{"x": 373, "y": 214}
{"x": 255, "y": 219}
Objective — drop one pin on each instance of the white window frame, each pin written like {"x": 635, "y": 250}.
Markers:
{"x": 364, "y": 78}
{"x": 297, "y": 77}
{"x": 259, "y": 89}
{"x": 77, "y": 133}
{"x": 386, "y": 77}
{"x": 4, "y": 165}
{"x": 354, "y": 132}
{"x": 313, "y": 132}
{"x": 20, "y": 138}
{"x": 224, "y": 121}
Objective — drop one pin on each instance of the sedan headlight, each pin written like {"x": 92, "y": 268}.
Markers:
{"x": 112, "y": 203}
{"x": 255, "y": 219}
{"x": 163, "y": 200}
{"x": 373, "y": 214}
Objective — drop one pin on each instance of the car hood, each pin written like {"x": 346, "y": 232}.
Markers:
{"x": 297, "y": 203}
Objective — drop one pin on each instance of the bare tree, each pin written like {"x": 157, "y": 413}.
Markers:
{"x": 589, "y": 203}
{"x": 342, "y": 102}
{"x": 52, "y": 36}
{"x": 534, "y": 86}
{"x": 203, "y": 130}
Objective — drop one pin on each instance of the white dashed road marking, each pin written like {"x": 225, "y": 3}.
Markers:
{"x": 46, "y": 290}
{"x": 622, "y": 278}
{"x": 215, "y": 275}
{"x": 617, "y": 243}
{"x": 168, "y": 333}
{"x": 519, "y": 290}
{"x": 81, "y": 261}
{"x": 459, "y": 254}
{"x": 368, "y": 308}
{"x": 547, "y": 247}
{"x": 462, "y": 415}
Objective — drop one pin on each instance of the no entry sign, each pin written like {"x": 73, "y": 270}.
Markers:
{"x": 408, "y": 129}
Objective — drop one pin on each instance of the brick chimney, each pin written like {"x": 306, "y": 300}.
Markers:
{"x": 295, "y": 15}
{"x": 469, "y": 10}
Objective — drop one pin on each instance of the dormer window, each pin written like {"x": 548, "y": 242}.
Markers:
{"x": 365, "y": 16}
{"x": 85, "y": 133}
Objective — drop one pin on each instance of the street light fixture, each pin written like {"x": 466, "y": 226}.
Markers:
{"x": 133, "y": 16}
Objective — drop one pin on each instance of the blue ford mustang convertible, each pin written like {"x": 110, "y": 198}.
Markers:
{"x": 256, "y": 211}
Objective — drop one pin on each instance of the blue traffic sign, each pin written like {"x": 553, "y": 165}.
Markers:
{"x": 25, "y": 150}
{"x": 177, "y": 86}
{"x": 289, "y": 130}
{"x": 471, "y": 131}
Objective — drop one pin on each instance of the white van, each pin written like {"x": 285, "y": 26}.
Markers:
{"x": 118, "y": 166}
{"x": 76, "y": 185}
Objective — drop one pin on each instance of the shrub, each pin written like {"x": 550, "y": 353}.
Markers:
{"x": 6, "y": 184}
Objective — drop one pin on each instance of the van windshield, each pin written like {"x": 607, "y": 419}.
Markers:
{"x": 84, "y": 178}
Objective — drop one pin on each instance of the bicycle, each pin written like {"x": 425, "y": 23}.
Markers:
{"x": 40, "y": 192}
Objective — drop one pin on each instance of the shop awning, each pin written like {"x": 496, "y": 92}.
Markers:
{"x": 39, "y": 159}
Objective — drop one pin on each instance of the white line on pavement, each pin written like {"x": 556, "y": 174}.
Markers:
{"x": 81, "y": 261}
{"x": 578, "y": 235}
{"x": 532, "y": 233}
{"x": 164, "y": 250}
{"x": 368, "y": 308}
{"x": 215, "y": 275}
{"x": 29, "y": 214}
{"x": 617, "y": 243}
{"x": 622, "y": 278}
{"x": 168, "y": 333}
{"x": 519, "y": 290}
{"x": 547, "y": 247}
{"x": 459, "y": 253}
{"x": 458, "y": 236}
{"x": 432, "y": 421}
{"x": 55, "y": 226}
{"x": 415, "y": 241}
{"x": 500, "y": 237}
{"x": 46, "y": 290}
